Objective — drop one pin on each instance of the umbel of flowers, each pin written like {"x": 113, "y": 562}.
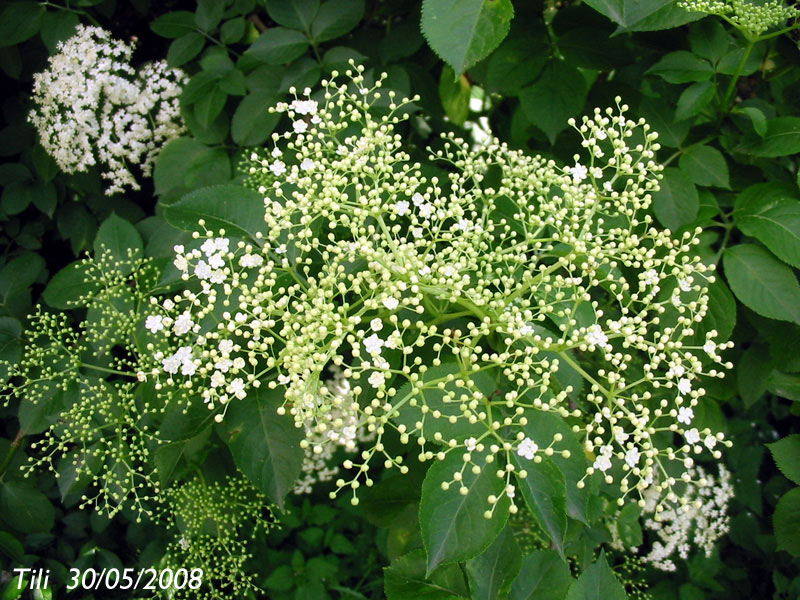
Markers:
{"x": 465, "y": 309}
{"x": 93, "y": 107}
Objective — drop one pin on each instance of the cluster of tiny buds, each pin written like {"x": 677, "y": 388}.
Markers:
{"x": 751, "y": 18}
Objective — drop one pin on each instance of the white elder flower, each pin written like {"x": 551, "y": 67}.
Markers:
{"x": 376, "y": 324}
{"x": 188, "y": 368}
{"x": 251, "y": 260}
{"x": 621, "y": 436}
{"x": 202, "y": 270}
{"x": 299, "y": 126}
{"x": 278, "y": 168}
{"x": 236, "y": 387}
{"x": 710, "y": 347}
{"x": 92, "y": 107}
{"x": 685, "y": 284}
{"x": 578, "y": 172}
{"x": 307, "y": 164}
{"x": 154, "y": 323}
{"x": 650, "y": 277}
{"x": 376, "y": 379}
{"x": 692, "y": 436}
{"x": 603, "y": 460}
{"x": 181, "y": 263}
{"x": 418, "y": 199}
{"x": 225, "y": 346}
{"x": 304, "y": 107}
{"x": 595, "y": 336}
{"x": 684, "y": 386}
{"x": 171, "y": 364}
{"x": 710, "y": 441}
{"x": 183, "y": 324}
{"x": 470, "y": 444}
{"x": 217, "y": 380}
{"x": 391, "y": 303}
{"x": 401, "y": 207}
{"x": 527, "y": 448}
{"x": 223, "y": 365}
{"x": 373, "y": 344}
{"x": 685, "y": 415}
{"x": 632, "y": 457}
{"x": 426, "y": 210}
{"x": 463, "y": 224}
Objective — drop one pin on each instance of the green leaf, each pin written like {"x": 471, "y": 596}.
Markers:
{"x": 298, "y": 14}
{"x": 462, "y": 32}
{"x": 453, "y": 525}
{"x": 185, "y": 48}
{"x": 72, "y": 286}
{"x": 761, "y": 197}
{"x": 558, "y": 94}
{"x": 18, "y": 195}
{"x": 592, "y": 48}
{"x": 752, "y": 370}
{"x": 544, "y": 576}
{"x": 626, "y": 12}
{"x": 545, "y": 493}
{"x": 209, "y": 14}
{"x": 18, "y": 275}
{"x": 676, "y": 203}
{"x": 10, "y": 344}
{"x": 778, "y": 228}
{"x": 252, "y": 123}
{"x": 731, "y": 63}
{"x": 174, "y": 24}
{"x": 265, "y": 445}
{"x": 20, "y": 21}
{"x": 668, "y": 16}
{"x": 628, "y": 528}
{"x": 25, "y": 509}
{"x": 597, "y": 582}
{"x": 784, "y": 385}
{"x": 405, "y": 579}
{"x": 58, "y": 26}
{"x": 237, "y": 210}
{"x": 208, "y": 108}
{"x": 708, "y": 39}
{"x": 119, "y": 238}
{"x": 721, "y": 313}
{"x": 278, "y": 45}
{"x": 694, "y": 99}
{"x": 705, "y": 166}
{"x": 70, "y": 480}
{"x": 757, "y": 118}
{"x": 336, "y": 18}
{"x": 11, "y": 547}
{"x": 682, "y": 67}
{"x": 516, "y": 63}
{"x": 185, "y": 163}
{"x": 762, "y": 283}
{"x": 671, "y": 131}
{"x": 491, "y": 573}
{"x": 233, "y": 30}
{"x": 454, "y": 94}
{"x": 782, "y": 138}
{"x": 786, "y": 521}
{"x": 36, "y": 417}
{"x": 786, "y": 453}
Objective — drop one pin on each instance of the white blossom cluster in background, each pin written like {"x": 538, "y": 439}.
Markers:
{"x": 463, "y": 311}
{"x": 320, "y": 446}
{"x": 701, "y": 521}
{"x": 93, "y": 107}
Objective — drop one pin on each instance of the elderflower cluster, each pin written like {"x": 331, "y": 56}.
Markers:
{"x": 495, "y": 315}
{"x": 752, "y": 18}
{"x": 93, "y": 107}
{"x": 701, "y": 521}
{"x": 213, "y": 525}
